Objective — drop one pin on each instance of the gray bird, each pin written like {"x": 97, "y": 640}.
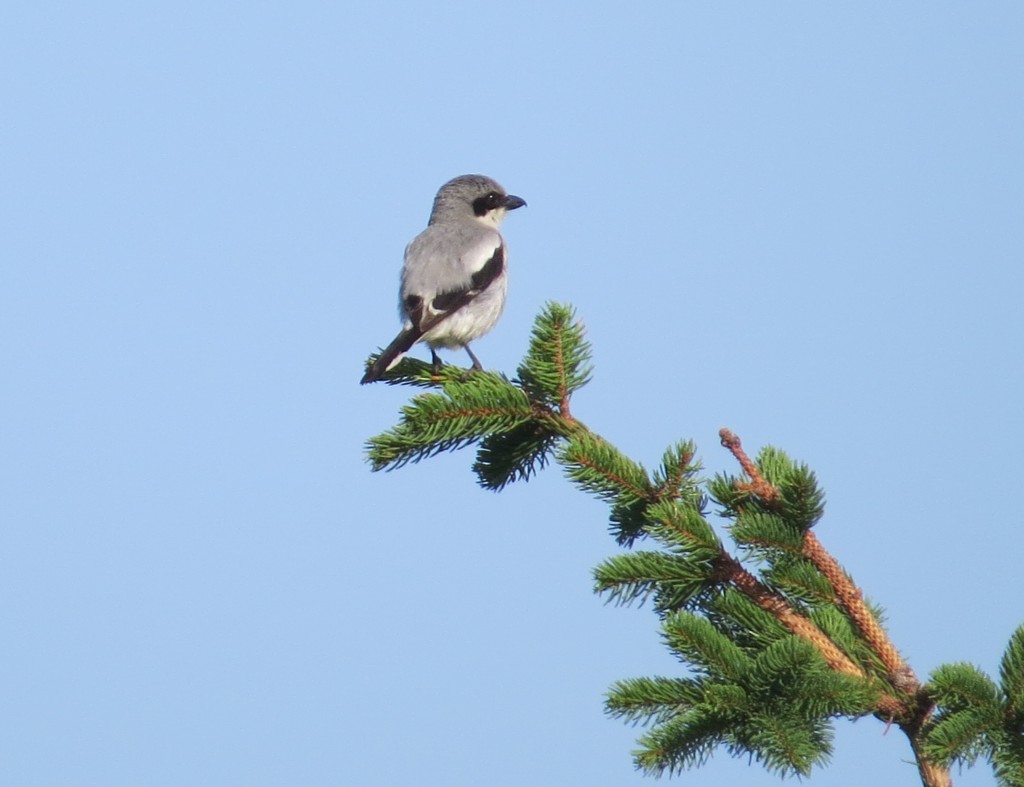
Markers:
{"x": 454, "y": 278}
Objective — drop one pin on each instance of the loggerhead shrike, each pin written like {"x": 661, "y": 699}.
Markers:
{"x": 454, "y": 279}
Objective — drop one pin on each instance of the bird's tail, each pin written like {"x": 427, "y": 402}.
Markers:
{"x": 392, "y": 354}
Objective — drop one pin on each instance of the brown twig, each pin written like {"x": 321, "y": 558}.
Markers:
{"x": 729, "y": 570}
{"x": 851, "y": 599}
{"x": 758, "y": 485}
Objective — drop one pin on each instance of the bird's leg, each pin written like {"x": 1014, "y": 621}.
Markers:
{"x": 476, "y": 361}
{"x": 435, "y": 361}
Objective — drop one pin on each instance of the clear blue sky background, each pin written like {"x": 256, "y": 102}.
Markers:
{"x": 802, "y": 221}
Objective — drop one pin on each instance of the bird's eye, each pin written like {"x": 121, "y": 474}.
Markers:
{"x": 485, "y": 204}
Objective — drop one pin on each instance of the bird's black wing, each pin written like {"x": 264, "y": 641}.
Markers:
{"x": 447, "y": 303}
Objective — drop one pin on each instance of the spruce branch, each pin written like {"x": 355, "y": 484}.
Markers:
{"x": 777, "y": 650}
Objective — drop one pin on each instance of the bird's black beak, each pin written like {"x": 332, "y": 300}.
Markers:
{"x": 512, "y": 202}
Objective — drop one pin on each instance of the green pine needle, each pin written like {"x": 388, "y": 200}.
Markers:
{"x": 599, "y": 468}
{"x": 799, "y": 579}
{"x": 677, "y": 476}
{"x": 747, "y": 623}
{"x": 826, "y": 694}
{"x": 682, "y": 527}
{"x": 683, "y": 742}
{"x": 1007, "y": 757}
{"x": 837, "y": 626}
{"x": 785, "y": 744}
{"x": 1011, "y": 676}
{"x": 960, "y": 737}
{"x": 775, "y": 465}
{"x": 961, "y": 685}
{"x": 803, "y": 502}
{"x": 462, "y": 414}
{"x": 778, "y": 669}
{"x": 704, "y": 647}
{"x": 970, "y": 717}
{"x": 652, "y": 700}
{"x": 766, "y": 533}
{"x": 627, "y": 578}
{"x": 557, "y": 363}
{"x": 514, "y": 455}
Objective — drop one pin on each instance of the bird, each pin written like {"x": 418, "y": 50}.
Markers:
{"x": 454, "y": 277}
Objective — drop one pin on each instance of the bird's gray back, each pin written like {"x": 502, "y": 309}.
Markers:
{"x": 444, "y": 256}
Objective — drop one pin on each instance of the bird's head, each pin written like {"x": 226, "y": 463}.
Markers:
{"x": 474, "y": 197}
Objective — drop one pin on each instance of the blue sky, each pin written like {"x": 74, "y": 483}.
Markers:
{"x": 802, "y": 221}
